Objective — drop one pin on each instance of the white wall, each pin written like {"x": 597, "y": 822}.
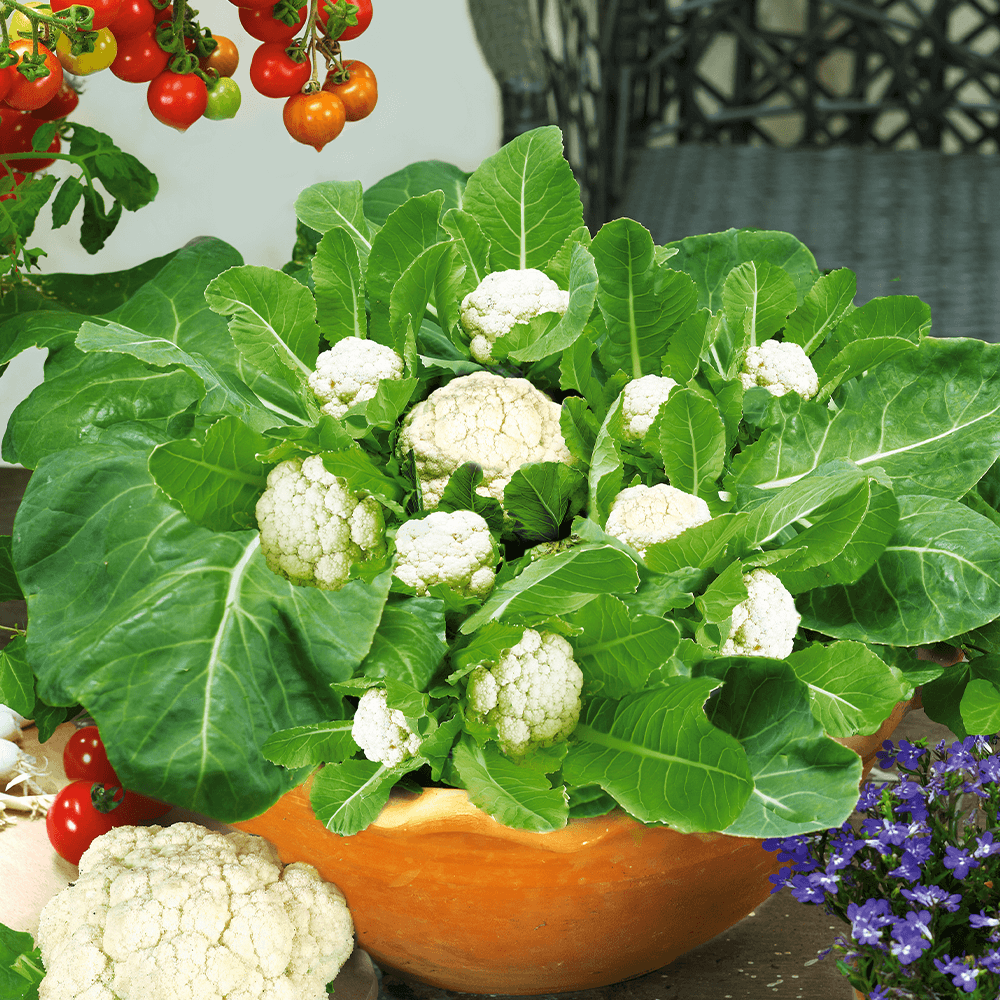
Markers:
{"x": 238, "y": 179}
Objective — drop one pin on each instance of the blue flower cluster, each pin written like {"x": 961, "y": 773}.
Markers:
{"x": 915, "y": 880}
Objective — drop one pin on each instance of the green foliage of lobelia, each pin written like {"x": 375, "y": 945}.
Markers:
{"x": 218, "y": 685}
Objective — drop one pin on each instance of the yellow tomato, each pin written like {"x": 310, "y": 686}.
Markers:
{"x": 105, "y": 50}
{"x": 18, "y": 26}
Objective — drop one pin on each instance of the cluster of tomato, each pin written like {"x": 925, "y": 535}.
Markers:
{"x": 313, "y": 114}
{"x": 94, "y": 801}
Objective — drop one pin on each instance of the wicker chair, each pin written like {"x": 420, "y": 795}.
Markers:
{"x": 868, "y": 128}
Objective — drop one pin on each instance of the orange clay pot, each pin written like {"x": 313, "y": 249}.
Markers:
{"x": 444, "y": 894}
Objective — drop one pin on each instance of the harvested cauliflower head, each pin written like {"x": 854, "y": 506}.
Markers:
{"x": 499, "y": 423}
{"x": 643, "y": 398}
{"x": 780, "y": 367}
{"x": 350, "y": 372}
{"x": 382, "y": 732}
{"x": 531, "y": 694}
{"x": 502, "y": 299}
{"x": 313, "y": 528}
{"x": 766, "y": 622}
{"x": 455, "y": 549}
{"x": 184, "y": 913}
{"x": 644, "y": 515}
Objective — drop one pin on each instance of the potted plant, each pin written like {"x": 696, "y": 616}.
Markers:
{"x": 915, "y": 878}
{"x": 467, "y": 506}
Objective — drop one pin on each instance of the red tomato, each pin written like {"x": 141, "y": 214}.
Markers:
{"x": 134, "y": 17}
{"x": 364, "y": 15}
{"x": 177, "y": 99}
{"x": 140, "y": 59}
{"x": 274, "y": 73}
{"x": 359, "y": 92}
{"x": 26, "y": 95}
{"x": 105, "y": 11}
{"x": 253, "y": 3}
{"x": 260, "y": 23}
{"x": 16, "y": 131}
{"x": 163, "y": 15}
{"x": 224, "y": 58}
{"x": 6, "y": 80}
{"x": 85, "y": 757}
{"x": 63, "y": 104}
{"x": 83, "y": 810}
{"x": 314, "y": 119}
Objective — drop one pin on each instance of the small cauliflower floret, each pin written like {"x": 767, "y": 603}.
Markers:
{"x": 503, "y": 299}
{"x": 766, "y": 622}
{"x": 455, "y": 549}
{"x": 382, "y": 732}
{"x": 531, "y": 694}
{"x": 643, "y": 399}
{"x": 313, "y": 528}
{"x": 350, "y": 372}
{"x": 780, "y": 367}
{"x": 185, "y": 913}
{"x": 644, "y": 515}
{"x": 499, "y": 423}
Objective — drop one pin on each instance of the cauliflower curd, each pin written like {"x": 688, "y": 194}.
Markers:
{"x": 382, "y": 732}
{"x": 312, "y": 527}
{"x": 350, "y": 372}
{"x": 766, "y": 622}
{"x": 642, "y": 400}
{"x": 531, "y": 694}
{"x": 499, "y": 423}
{"x": 185, "y": 913}
{"x": 780, "y": 367}
{"x": 644, "y": 515}
{"x": 503, "y": 299}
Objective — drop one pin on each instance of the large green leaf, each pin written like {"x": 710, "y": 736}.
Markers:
{"x": 340, "y": 288}
{"x": 410, "y": 642}
{"x": 413, "y": 290}
{"x": 691, "y": 440}
{"x": 180, "y": 642}
{"x": 939, "y": 576}
{"x": 514, "y": 794}
{"x": 305, "y": 746}
{"x": 216, "y": 481}
{"x": 757, "y": 296}
{"x": 105, "y": 389}
{"x": 641, "y": 303}
{"x": 386, "y": 195}
{"x": 824, "y": 305}
{"x": 559, "y": 583}
{"x": 273, "y": 320}
{"x": 709, "y": 259}
{"x": 660, "y": 758}
{"x": 10, "y": 589}
{"x": 347, "y": 797}
{"x": 802, "y": 780}
{"x": 616, "y": 651}
{"x": 21, "y": 969}
{"x": 930, "y": 418}
{"x": 17, "y": 685}
{"x": 336, "y": 204}
{"x": 850, "y": 687}
{"x": 526, "y": 200}
{"x": 541, "y": 497}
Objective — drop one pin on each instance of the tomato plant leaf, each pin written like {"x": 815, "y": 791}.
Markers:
{"x": 69, "y": 195}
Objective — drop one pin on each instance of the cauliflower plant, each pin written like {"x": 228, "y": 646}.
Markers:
{"x": 531, "y": 694}
{"x": 313, "y": 527}
{"x": 766, "y": 622}
{"x": 503, "y": 299}
{"x": 455, "y": 549}
{"x": 382, "y": 732}
{"x": 185, "y": 913}
{"x": 643, "y": 515}
{"x": 780, "y": 367}
{"x": 642, "y": 401}
{"x": 350, "y": 372}
{"x": 498, "y": 422}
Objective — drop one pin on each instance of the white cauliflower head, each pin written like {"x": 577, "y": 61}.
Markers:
{"x": 766, "y": 622}
{"x": 643, "y": 515}
{"x": 455, "y": 549}
{"x": 780, "y": 367}
{"x": 531, "y": 694}
{"x": 185, "y": 913}
{"x": 643, "y": 398}
{"x": 502, "y": 299}
{"x": 499, "y": 423}
{"x": 313, "y": 527}
{"x": 382, "y": 732}
{"x": 350, "y": 372}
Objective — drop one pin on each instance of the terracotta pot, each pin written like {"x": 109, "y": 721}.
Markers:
{"x": 858, "y": 995}
{"x": 446, "y": 895}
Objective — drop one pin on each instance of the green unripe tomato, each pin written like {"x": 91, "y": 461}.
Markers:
{"x": 223, "y": 99}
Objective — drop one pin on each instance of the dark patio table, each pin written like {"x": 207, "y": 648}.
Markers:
{"x": 915, "y": 222}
